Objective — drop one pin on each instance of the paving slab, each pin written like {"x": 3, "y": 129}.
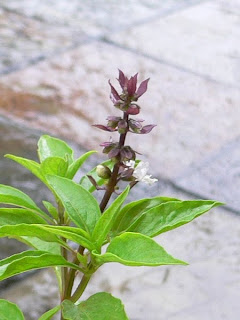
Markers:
{"x": 25, "y": 41}
{"x": 95, "y": 17}
{"x": 69, "y": 93}
{"x": 203, "y": 39}
{"x": 217, "y": 177}
{"x": 20, "y": 141}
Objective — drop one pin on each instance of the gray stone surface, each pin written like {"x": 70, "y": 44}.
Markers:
{"x": 95, "y": 17}
{"x": 20, "y": 141}
{"x": 217, "y": 177}
{"x": 206, "y": 45}
{"x": 25, "y": 41}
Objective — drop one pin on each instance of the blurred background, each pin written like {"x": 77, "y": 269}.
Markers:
{"x": 56, "y": 57}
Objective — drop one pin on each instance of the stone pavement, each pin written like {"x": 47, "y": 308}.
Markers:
{"x": 56, "y": 59}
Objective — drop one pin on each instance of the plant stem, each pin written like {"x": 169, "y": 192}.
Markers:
{"x": 110, "y": 187}
{"x": 113, "y": 180}
{"x": 71, "y": 275}
{"x": 81, "y": 287}
{"x": 64, "y": 270}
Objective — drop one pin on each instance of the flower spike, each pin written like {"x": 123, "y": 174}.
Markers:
{"x": 118, "y": 152}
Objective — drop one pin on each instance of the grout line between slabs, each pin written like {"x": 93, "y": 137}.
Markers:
{"x": 160, "y": 14}
{"x": 102, "y": 38}
{"x": 45, "y": 57}
{"x": 169, "y": 64}
{"x": 163, "y": 14}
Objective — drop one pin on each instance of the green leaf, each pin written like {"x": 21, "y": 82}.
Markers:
{"x": 83, "y": 259}
{"x": 11, "y": 216}
{"x": 75, "y": 166}
{"x": 53, "y": 147}
{"x": 31, "y": 260}
{"x": 30, "y": 230}
{"x": 106, "y": 221}
{"x": 74, "y": 234}
{"x": 170, "y": 215}
{"x": 10, "y": 311}
{"x": 50, "y": 313}
{"x": 16, "y": 216}
{"x": 100, "y": 306}
{"x": 133, "y": 210}
{"x": 31, "y": 165}
{"x": 86, "y": 183}
{"x": 51, "y": 209}
{"x": 54, "y": 165}
{"x": 10, "y": 195}
{"x": 134, "y": 249}
{"x": 80, "y": 205}
{"x": 36, "y": 243}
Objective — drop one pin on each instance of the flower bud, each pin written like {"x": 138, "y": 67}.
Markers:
{"x": 103, "y": 171}
{"x": 133, "y": 109}
{"x": 122, "y": 126}
{"x": 127, "y": 153}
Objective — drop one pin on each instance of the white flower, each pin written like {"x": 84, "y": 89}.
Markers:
{"x": 130, "y": 164}
{"x": 140, "y": 172}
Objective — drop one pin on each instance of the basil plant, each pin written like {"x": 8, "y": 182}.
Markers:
{"x": 76, "y": 234}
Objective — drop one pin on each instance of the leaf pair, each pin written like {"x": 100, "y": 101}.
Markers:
{"x": 53, "y": 148}
{"x": 56, "y": 158}
{"x": 132, "y": 249}
{"x": 84, "y": 211}
{"x": 132, "y": 226}
{"x": 139, "y": 221}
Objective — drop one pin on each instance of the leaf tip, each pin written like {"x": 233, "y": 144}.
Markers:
{"x": 8, "y": 155}
{"x": 218, "y": 203}
{"x": 221, "y": 203}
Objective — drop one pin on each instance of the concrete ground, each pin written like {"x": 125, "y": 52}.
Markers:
{"x": 56, "y": 59}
